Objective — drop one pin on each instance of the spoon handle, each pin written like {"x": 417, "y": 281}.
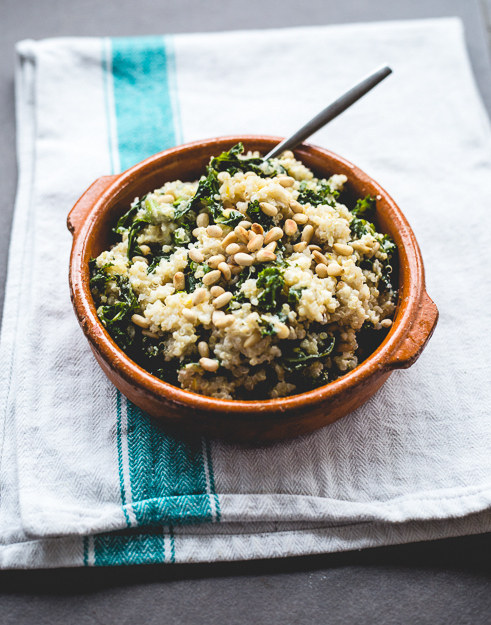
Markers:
{"x": 331, "y": 111}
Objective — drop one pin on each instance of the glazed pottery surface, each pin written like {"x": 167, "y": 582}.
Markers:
{"x": 90, "y": 222}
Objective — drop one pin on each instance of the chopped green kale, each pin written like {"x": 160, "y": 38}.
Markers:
{"x": 99, "y": 276}
{"x": 256, "y": 214}
{"x": 125, "y": 221}
{"x": 322, "y": 195}
{"x": 232, "y": 162}
{"x": 295, "y": 358}
{"x": 294, "y": 295}
{"x": 365, "y": 208}
{"x": 389, "y": 247}
{"x": 117, "y": 317}
{"x": 271, "y": 281}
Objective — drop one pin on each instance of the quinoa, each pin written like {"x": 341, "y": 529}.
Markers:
{"x": 254, "y": 282}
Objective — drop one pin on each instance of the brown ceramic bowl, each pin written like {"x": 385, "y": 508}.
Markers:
{"x": 90, "y": 222}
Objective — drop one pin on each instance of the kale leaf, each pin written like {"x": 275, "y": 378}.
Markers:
{"x": 389, "y": 247}
{"x": 256, "y": 214}
{"x": 99, "y": 276}
{"x": 232, "y": 162}
{"x": 296, "y": 358}
{"x": 125, "y": 221}
{"x": 116, "y": 317}
{"x": 364, "y": 213}
{"x": 365, "y": 207}
{"x": 294, "y": 295}
{"x": 134, "y": 231}
{"x": 323, "y": 195}
{"x": 192, "y": 283}
{"x": 205, "y": 197}
{"x": 271, "y": 281}
{"x": 359, "y": 227}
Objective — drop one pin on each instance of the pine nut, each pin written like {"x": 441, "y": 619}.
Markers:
{"x": 333, "y": 269}
{"x": 241, "y": 234}
{"x": 216, "y": 290}
{"x": 235, "y": 269}
{"x": 222, "y": 300}
{"x": 196, "y": 255}
{"x": 208, "y": 364}
{"x": 313, "y": 247}
{"x": 342, "y": 249}
{"x": 299, "y": 247}
{"x": 214, "y": 261}
{"x": 145, "y": 249}
{"x": 141, "y": 259}
{"x": 230, "y": 238}
{"x": 221, "y": 320}
{"x": 296, "y": 206}
{"x": 308, "y": 233}
{"x": 271, "y": 246}
{"x": 199, "y": 296}
{"x": 203, "y": 349}
{"x": 290, "y": 227}
{"x": 179, "y": 281}
{"x": 257, "y": 228}
{"x": 321, "y": 270}
{"x": 255, "y": 243}
{"x": 141, "y": 321}
{"x": 252, "y": 340}
{"x": 265, "y": 256}
{"x": 320, "y": 258}
{"x": 274, "y": 234}
{"x": 214, "y": 231}
{"x": 268, "y": 209}
{"x": 226, "y": 321}
{"x": 151, "y": 335}
{"x": 245, "y": 224}
{"x": 190, "y": 315}
{"x": 211, "y": 277}
{"x": 282, "y": 331}
{"x": 167, "y": 198}
{"x": 202, "y": 220}
{"x": 386, "y": 323}
{"x": 286, "y": 181}
{"x": 225, "y": 269}
{"x": 245, "y": 260}
{"x": 360, "y": 247}
{"x": 300, "y": 218}
{"x": 233, "y": 248}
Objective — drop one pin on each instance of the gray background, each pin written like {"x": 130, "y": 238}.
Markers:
{"x": 443, "y": 582}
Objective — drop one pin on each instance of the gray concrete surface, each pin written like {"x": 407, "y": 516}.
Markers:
{"x": 444, "y": 582}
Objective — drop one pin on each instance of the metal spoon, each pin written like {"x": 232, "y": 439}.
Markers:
{"x": 331, "y": 111}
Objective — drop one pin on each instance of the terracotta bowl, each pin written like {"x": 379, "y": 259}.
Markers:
{"x": 90, "y": 222}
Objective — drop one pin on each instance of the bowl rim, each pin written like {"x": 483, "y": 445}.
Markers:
{"x": 410, "y": 294}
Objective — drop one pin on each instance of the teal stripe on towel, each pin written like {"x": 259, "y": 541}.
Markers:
{"x": 142, "y": 98}
{"x": 168, "y": 480}
{"x": 167, "y": 477}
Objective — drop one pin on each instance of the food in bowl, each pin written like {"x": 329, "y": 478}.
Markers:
{"x": 254, "y": 282}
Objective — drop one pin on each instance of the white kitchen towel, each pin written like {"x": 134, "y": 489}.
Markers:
{"x": 86, "y": 478}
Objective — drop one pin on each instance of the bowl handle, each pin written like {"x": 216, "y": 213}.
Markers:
{"x": 79, "y": 212}
{"x": 418, "y": 336}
